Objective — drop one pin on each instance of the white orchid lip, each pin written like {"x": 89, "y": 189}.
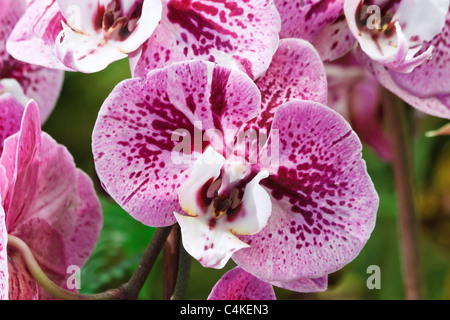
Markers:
{"x": 222, "y": 200}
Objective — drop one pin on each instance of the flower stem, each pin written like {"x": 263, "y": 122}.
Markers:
{"x": 395, "y": 111}
{"x": 131, "y": 289}
{"x": 171, "y": 253}
{"x": 184, "y": 267}
{"x": 51, "y": 287}
{"x": 127, "y": 291}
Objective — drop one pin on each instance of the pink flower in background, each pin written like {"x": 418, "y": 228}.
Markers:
{"x": 320, "y": 22}
{"x": 289, "y": 224}
{"x": 356, "y": 95}
{"x": 46, "y": 202}
{"x": 82, "y": 35}
{"x": 426, "y": 87}
{"x": 237, "y": 284}
{"x": 397, "y": 33}
{"x": 22, "y": 80}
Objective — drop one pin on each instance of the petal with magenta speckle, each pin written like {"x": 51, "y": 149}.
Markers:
{"x": 143, "y": 120}
{"x": 237, "y": 284}
{"x": 323, "y": 201}
{"x": 237, "y": 34}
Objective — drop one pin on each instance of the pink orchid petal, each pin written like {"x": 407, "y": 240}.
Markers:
{"x": 430, "y": 78}
{"x": 87, "y": 227}
{"x": 44, "y": 241}
{"x": 11, "y": 112}
{"x": 21, "y": 167}
{"x": 432, "y": 105}
{"x": 323, "y": 202}
{"x": 4, "y": 274}
{"x": 306, "y": 19}
{"x": 48, "y": 202}
{"x": 320, "y": 23}
{"x": 22, "y": 285}
{"x": 296, "y": 72}
{"x": 304, "y": 285}
{"x": 242, "y": 35}
{"x": 133, "y": 143}
{"x": 422, "y": 20}
{"x": 237, "y": 284}
{"x": 33, "y": 37}
{"x": 38, "y": 83}
{"x": 355, "y": 94}
{"x": 366, "y": 117}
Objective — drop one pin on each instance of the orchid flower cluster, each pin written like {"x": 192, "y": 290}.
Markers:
{"x": 243, "y": 123}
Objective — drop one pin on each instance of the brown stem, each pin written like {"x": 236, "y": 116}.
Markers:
{"x": 395, "y": 111}
{"x": 131, "y": 289}
{"x": 184, "y": 268}
{"x": 170, "y": 262}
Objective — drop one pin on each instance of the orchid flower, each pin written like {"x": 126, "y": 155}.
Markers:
{"x": 355, "y": 94}
{"x": 46, "y": 202}
{"x": 426, "y": 87}
{"x": 397, "y": 33}
{"x": 320, "y": 22}
{"x": 289, "y": 222}
{"x": 22, "y": 80}
{"x": 82, "y": 35}
{"x": 237, "y": 284}
{"x": 88, "y": 35}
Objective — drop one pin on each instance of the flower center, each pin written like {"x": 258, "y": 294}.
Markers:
{"x": 224, "y": 203}
{"x": 378, "y": 20}
{"x": 116, "y": 24}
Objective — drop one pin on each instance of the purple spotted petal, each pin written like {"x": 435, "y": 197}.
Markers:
{"x": 35, "y": 34}
{"x": 238, "y": 34}
{"x": 38, "y": 83}
{"x": 304, "y": 285}
{"x": 133, "y": 143}
{"x": 4, "y": 275}
{"x": 324, "y": 203}
{"x": 237, "y": 284}
{"x": 320, "y": 22}
{"x": 436, "y": 106}
{"x": 296, "y": 72}
{"x": 10, "y": 117}
{"x": 431, "y": 78}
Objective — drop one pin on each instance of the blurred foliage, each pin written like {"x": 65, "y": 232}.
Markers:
{"x": 123, "y": 240}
